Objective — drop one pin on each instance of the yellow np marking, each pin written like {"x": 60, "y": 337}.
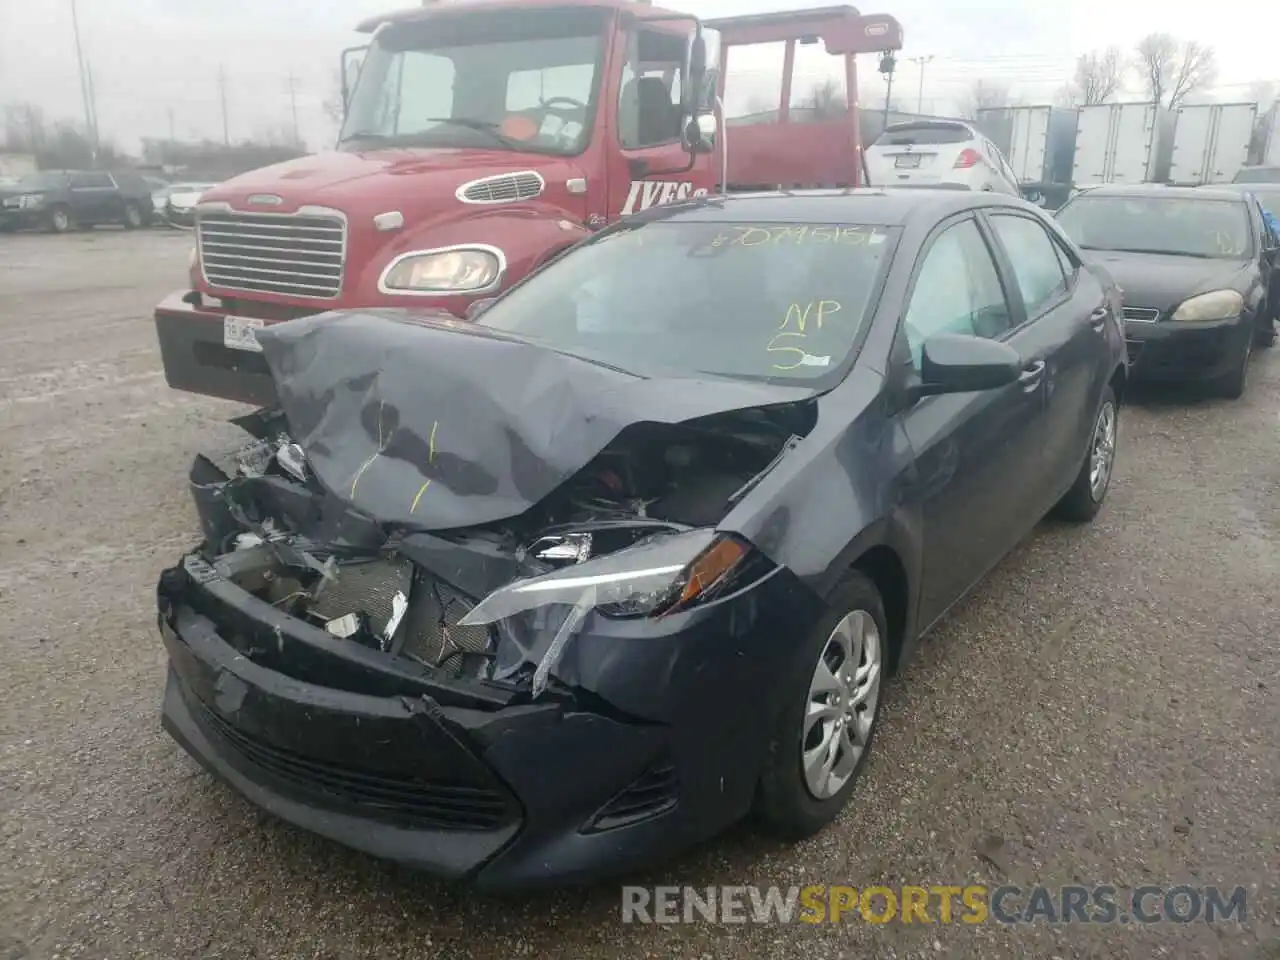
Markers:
{"x": 381, "y": 446}
{"x": 431, "y": 456}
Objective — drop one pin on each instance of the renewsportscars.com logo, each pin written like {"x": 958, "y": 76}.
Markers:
{"x": 971, "y": 904}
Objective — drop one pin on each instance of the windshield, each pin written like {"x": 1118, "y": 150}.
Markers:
{"x": 42, "y": 181}
{"x": 782, "y": 302}
{"x": 1183, "y": 226}
{"x": 525, "y": 80}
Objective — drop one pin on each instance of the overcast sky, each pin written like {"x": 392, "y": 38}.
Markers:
{"x": 153, "y": 59}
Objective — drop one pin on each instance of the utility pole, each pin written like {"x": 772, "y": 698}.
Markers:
{"x": 172, "y": 128}
{"x": 888, "y": 62}
{"x": 293, "y": 106}
{"x": 222, "y": 95}
{"x": 86, "y": 90}
{"x": 921, "y": 62}
{"x": 93, "y": 106}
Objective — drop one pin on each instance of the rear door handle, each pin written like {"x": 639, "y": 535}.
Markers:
{"x": 1032, "y": 375}
{"x": 1098, "y": 318}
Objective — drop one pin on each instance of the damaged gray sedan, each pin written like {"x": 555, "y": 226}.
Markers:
{"x": 565, "y": 590}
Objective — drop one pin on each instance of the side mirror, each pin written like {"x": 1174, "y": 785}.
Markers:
{"x": 700, "y": 133}
{"x": 959, "y": 363}
{"x": 349, "y": 71}
{"x": 478, "y": 307}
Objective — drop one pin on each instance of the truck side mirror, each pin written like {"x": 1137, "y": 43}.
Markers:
{"x": 349, "y": 72}
{"x": 700, "y": 133}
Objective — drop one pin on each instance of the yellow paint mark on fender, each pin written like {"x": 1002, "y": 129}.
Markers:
{"x": 431, "y": 456}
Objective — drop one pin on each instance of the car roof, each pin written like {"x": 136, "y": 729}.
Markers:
{"x": 881, "y": 206}
{"x": 1143, "y": 190}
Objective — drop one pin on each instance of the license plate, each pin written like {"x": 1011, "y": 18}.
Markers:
{"x": 241, "y": 333}
{"x": 907, "y": 161}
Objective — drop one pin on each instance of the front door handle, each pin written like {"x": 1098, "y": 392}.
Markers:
{"x": 1032, "y": 375}
{"x": 1098, "y": 318}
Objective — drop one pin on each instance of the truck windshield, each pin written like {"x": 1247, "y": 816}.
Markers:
{"x": 1214, "y": 229}
{"x": 763, "y": 301}
{"x": 525, "y": 80}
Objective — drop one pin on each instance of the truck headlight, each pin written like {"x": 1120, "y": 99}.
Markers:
{"x": 660, "y": 575}
{"x": 1217, "y": 305}
{"x": 472, "y": 268}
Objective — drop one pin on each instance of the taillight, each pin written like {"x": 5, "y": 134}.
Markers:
{"x": 968, "y": 157}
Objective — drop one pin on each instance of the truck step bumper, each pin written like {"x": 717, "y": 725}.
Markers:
{"x": 195, "y": 359}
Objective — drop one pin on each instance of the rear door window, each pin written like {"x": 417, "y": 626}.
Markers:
{"x": 1037, "y": 265}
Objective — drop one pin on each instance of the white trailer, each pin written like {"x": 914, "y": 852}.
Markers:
{"x": 1117, "y": 143}
{"x": 1036, "y": 140}
{"x": 1211, "y": 142}
{"x": 1271, "y": 156}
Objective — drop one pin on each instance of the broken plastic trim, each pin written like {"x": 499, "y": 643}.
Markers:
{"x": 654, "y": 577}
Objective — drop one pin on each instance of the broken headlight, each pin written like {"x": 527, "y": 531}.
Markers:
{"x": 658, "y": 576}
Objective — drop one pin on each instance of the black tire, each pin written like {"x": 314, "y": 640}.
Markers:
{"x": 60, "y": 219}
{"x": 1083, "y": 501}
{"x": 1266, "y": 335}
{"x": 784, "y": 806}
{"x": 133, "y": 218}
{"x": 1231, "y": 385}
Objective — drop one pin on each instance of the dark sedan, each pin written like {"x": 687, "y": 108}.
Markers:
{"x": 1197, "y": 266}
{"x": 556, "y": 593}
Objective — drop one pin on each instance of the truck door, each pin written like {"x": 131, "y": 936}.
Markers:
{"x": 647, "y": 164}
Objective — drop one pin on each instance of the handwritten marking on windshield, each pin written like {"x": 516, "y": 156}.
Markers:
{"x": 797, "y": 234}
{"x": 798, "y": 316}
{"x": 825, "y": 308}
{"x": 382, "y": 445}
{"x": 431, "y": 457}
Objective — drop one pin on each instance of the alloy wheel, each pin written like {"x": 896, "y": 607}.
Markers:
{"x": 843, "y": 694}
{"x": 1102, "y": 455}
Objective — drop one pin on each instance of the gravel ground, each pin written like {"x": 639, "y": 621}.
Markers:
{"x": 1106, "y": 703}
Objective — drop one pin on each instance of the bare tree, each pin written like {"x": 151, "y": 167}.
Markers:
{"x": 1171, "y": 71}
{"x": 1098, "y": 76}
{"x": 1156, "y": 54}
{"x": 983, "y": 95}
{"x": 826, "y": 100}
{"x": 57, "y": 144}
{"x": 1067, "y": 96}
{"x": 333, "y": 105}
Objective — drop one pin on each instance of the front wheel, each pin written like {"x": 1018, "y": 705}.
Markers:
{"x": 60, "y": 219}
{"x": 1083, "y": 501}
{"x": 822, "y": 735}
{"x": 1231, "y": 385}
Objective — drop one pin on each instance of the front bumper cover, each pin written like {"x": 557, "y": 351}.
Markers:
{"x": 658, "y": 746}
{"x": 1164, "y": 350}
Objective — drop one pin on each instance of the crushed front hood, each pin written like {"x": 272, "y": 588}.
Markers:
{"x": 434, "y": 424}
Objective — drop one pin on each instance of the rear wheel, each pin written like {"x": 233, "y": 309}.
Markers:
{"x": 1083, "y": 501}
{"x": 60, "y": 219}
{"x": 822, "y": 735}
{"x": 132, "y": 216}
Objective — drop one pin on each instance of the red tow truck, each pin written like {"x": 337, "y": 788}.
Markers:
{"x": 482, "y": 139}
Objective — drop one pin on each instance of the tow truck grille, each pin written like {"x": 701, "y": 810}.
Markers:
{"x": 294, "y": 255}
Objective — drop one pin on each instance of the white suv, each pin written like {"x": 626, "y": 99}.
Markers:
{"x": 925, "y": 152}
